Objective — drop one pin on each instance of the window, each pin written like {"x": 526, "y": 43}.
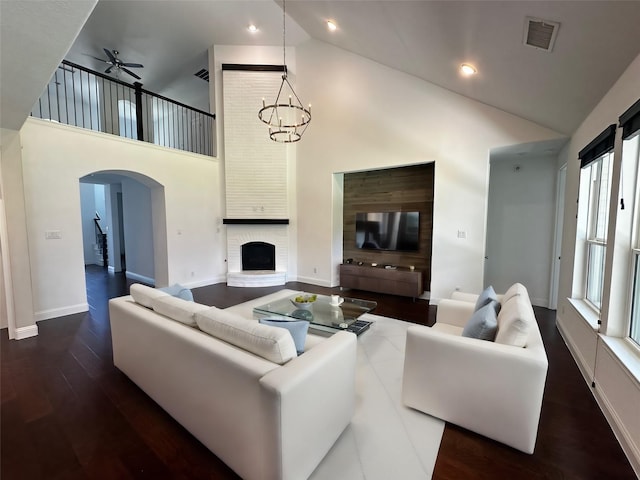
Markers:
{"x": 630, "y": 121}
{"x": 634, "y": 327}
{"x": 599, "y": 174}
{"x": 128, "y": 125}
{"x": 593, "y": 211}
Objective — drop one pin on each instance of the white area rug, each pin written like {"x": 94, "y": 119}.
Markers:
{"x": 385, "y": 439}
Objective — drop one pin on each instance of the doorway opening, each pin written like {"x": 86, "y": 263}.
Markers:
{"x": 127, "y": 208}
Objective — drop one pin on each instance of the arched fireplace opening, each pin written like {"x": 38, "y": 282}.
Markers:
{"x": 258, "y": 256}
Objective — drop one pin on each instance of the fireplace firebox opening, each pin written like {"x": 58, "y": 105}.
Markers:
{"x": 258, "y": 256}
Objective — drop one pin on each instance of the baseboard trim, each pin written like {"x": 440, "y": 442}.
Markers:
{"x": 619, "y": 430}
{"x": 26, "y": 332}
{"x": 540, "y": 302}
{"x": 140, "y": 278}
{"x": 583, "y": 366}
{"x": 206, "y": 282}
{"x": 60, "y": 312}
{"x": 312, "y": 281}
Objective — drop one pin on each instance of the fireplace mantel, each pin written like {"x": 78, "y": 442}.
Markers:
{"x": 255, "y": 221}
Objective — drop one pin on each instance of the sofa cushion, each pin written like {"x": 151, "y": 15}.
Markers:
{"x": 487, "y": 296}
{"x": 514, "y": 290}
{"x": 179, "y": 291}
{"x": 483, "y": 324}
{"x": 297, "y": 328}
{"x": 514, "y": 321}
{"x": 143, "y": 294}
{"x": 177, "y": 309}
{"x": 271, "y": 343}
{"x": 447, "y": 328}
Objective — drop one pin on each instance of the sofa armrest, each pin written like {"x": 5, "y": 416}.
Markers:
{"x": 492, "y": 389}
{"x": 312, "y": 400}
{"x": 454, "y": 312}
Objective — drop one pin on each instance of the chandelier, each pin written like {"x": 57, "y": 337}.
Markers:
{"x": 287, "y": 119}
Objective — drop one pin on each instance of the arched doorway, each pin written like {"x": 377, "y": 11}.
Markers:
{"x": 129, "y": 208}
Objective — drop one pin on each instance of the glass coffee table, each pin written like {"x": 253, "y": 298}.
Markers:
{"x": 321, "y": 314}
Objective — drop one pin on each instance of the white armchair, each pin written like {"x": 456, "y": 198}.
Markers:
{"x": 492, "y": 388}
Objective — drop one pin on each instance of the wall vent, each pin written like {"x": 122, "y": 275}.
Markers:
{"x": 540, "y": 34}
{"x": 203, "y": 74}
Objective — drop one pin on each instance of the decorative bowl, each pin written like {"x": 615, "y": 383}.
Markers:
{"x": 304, "y": 301}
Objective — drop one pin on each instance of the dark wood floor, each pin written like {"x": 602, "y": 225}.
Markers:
{"x": 68, "y": 413}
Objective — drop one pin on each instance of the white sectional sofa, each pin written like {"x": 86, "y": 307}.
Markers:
{"x": 493, "y": 388}
{"x": 265, "y": 418}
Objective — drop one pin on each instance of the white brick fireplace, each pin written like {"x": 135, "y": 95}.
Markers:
{"x": 257, "y": 176}
{"x": 238, "y": 235}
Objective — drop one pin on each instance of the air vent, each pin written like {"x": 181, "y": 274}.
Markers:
{"x": 203, "y": 74}
{"x": 540, "y": 34}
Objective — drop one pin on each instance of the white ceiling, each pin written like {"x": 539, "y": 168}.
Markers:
{"x": 596, "y": 41}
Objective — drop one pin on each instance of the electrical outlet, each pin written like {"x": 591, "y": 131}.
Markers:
{"x": 315, "y": 270}
{"x": 462, "y": 234}
{"x": 52, "y": 235}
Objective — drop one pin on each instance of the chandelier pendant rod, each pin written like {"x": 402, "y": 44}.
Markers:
{"x": 292, "y": 118}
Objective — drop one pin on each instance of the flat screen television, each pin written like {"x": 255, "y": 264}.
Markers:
{"x": 388, "y": 231}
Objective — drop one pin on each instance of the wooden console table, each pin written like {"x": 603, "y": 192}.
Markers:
{"x": 399, "y": 281}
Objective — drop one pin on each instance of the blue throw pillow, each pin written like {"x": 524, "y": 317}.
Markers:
{"x": 297, "y": 329}
{"x": 483, "y": 324}
{"x": 487, "y": 296}
{"x": 179, "y": 291}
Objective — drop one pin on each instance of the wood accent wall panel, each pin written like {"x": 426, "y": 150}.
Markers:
{"x": 408, "y": 189}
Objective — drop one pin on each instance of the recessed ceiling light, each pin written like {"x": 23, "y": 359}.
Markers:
{"x": 252, "y": 28}
{"x": 331, "y": 25}
{"x": 467, "y": 69}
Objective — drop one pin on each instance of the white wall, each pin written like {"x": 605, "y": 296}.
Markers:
{"x": 138, "y": 229}
{"x": 520, "y": 225}
{"x": 114, "y": 245}
{"x": 18, "y": 268}
{"x": 367, "y": 116}
{"x": 87, "y": 213}
{"x": 617, "y": 389}
{"x": 55, "y": 157}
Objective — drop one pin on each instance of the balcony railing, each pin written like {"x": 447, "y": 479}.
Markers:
{"x": 84, "y": 98}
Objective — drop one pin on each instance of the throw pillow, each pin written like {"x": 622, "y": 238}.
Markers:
{"x": 483, "y": 324}
{"x": 179, "y": 291}
{"x": 297, "y": 329}
{"x": 487, "y": 296}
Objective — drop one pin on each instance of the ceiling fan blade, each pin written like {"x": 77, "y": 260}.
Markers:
{"x": 132, "y": 65}
{"x": 96, "y": 58}
{"x": 110, "y": 55}
{"x": 131, "y": 73}
{"x": 108, "y": 70}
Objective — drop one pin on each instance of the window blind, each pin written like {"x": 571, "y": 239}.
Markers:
{"x": 600, "y": 145}
{"x": 630, "y": 121}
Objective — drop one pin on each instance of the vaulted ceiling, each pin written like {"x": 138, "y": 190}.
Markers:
{"x": 595, "y": 42}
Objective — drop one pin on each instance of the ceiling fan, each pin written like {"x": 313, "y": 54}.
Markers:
{"x": 115, "y": 62}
